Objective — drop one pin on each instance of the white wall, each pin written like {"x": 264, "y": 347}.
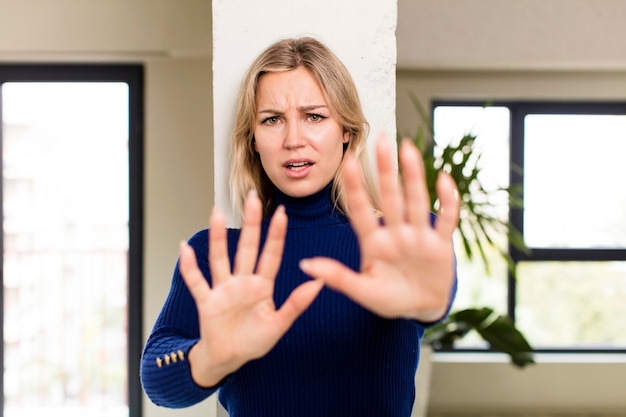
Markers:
{"x": 119, "y": 29}
{"x": 522, "y": 34}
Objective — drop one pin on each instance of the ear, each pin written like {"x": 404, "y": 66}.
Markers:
{"x": 346, "y": 137}
{"x": 256, "y": 148}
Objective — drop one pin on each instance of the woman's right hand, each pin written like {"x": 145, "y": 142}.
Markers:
{"x": 237, "y": 315}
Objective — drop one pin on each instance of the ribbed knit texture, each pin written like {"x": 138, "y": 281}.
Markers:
{"x": 338, "y": 359}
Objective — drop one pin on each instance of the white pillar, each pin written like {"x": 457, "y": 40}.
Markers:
{"x": 361, "y": 33}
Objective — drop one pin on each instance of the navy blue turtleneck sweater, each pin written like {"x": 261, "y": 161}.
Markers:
{"x": 338, "y": 359}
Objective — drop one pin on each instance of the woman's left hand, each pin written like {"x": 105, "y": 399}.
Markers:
{"x": 407, "y": 264}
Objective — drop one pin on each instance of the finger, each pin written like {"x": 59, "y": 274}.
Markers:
{"x": 271, "y": 256}
{"x": 390, "y": 197}
{"x": 248, "y": 245}
{"x": 298, "y": 301}
{"x": 415, "y": 188}
{"x": 448, "y": 214}
{"x": 360, "y": 211}
{"x": 336, "y": 275}
{"x": 192, "y": 276}
{"x": 219, "y": 263}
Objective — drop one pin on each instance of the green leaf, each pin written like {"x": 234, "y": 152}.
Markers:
{"x": 496, "y": 329}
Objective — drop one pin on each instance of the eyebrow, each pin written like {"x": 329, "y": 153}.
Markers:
{"x": 304, "y": 109}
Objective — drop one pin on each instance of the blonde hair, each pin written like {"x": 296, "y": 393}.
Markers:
{"x": 340, "y": 92}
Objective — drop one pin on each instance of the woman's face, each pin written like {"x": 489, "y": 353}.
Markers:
{"x": 299, "y": 141}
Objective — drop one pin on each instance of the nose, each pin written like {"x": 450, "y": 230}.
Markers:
{"x": 293, "y": 136}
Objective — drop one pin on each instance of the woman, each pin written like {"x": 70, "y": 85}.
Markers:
{"x": 249, "y": 320}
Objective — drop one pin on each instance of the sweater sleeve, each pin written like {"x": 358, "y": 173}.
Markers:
{"x": 165, "y": 371}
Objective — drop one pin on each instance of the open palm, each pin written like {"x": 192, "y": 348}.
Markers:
{"x": 407, "y": 262}
{"x": 237, "y": 316}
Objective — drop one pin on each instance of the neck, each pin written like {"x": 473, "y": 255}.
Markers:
{"x": 314, "y": 210}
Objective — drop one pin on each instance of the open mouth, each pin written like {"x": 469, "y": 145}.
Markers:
{"x": 296, "y": 166}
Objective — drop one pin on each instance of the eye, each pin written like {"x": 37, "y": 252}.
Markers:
{"x": 315, "y": 117}
{"x": 272, "y": 120}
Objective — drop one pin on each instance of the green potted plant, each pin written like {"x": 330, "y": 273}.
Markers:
{"x": 478, "y": 229}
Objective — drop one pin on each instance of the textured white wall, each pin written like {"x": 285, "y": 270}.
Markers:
{"x": 363, "y": 37}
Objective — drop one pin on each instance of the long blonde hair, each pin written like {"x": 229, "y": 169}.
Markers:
{"x": 340, "y": 92}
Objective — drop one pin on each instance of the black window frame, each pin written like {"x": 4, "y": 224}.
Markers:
{"x": 133, "y": 75}
{"x": 519, "y": 109}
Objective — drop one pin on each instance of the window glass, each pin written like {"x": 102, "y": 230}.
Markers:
{"x": 571, "y": 171}
{"x": 490, "y": 125}
{"x": 66, "y": 212}
{"x": 574, "y": 173}
{"x": 572, "y": 304}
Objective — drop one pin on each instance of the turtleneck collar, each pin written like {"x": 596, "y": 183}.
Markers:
{"x": 311, "y": 211}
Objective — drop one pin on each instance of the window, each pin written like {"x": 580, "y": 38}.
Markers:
{"x": 71, "y": 254}
{"x": 568, "y": 292}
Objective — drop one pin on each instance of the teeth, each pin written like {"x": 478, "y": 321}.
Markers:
{"x": 298, "y": 164}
